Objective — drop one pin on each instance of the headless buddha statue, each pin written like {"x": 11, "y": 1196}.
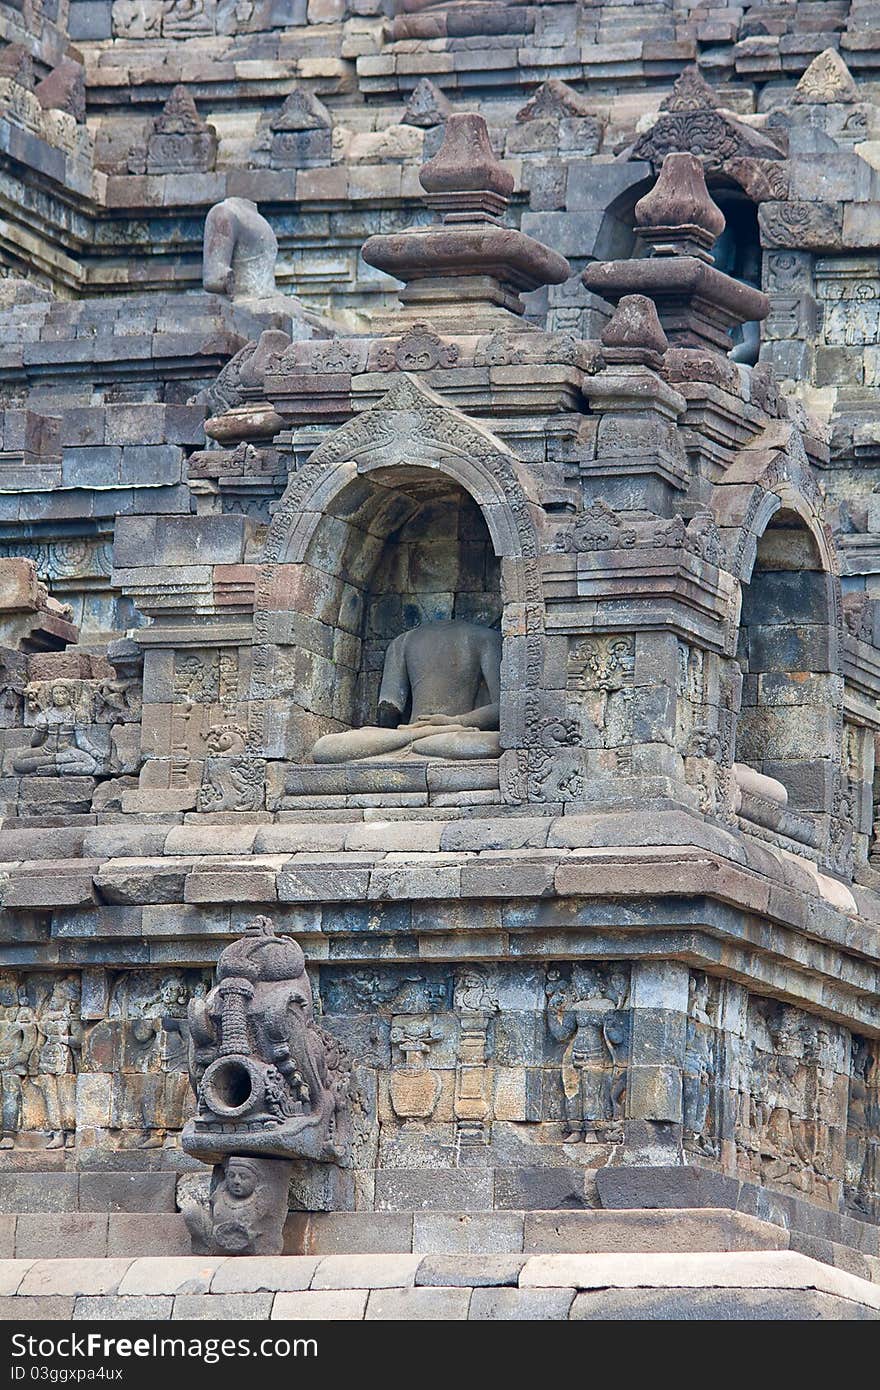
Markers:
{"x": 449, "y": 674}
{"x": 240, "y": 251}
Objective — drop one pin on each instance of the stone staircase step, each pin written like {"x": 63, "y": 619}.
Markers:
{"x": 733, "y": 1286}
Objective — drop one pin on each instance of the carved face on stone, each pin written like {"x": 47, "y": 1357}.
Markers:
{"x": 241, "y": 1180}
{"x": 61, "y": 696}
{"x": 58, "y": 999}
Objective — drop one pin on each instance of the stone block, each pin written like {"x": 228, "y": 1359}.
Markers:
{"x": 151, "y": 465}
{"x": 359, "y": 1232}
{"x": 470, "y": 1271}
{"x": 440, "y": 1190}
{"x": 507, "y": 880}
{"x": 715, "y": 1305}
{"x": 130, "y": 1192}
{"x": 141, "y": 1233}
{"x": 33, "y": 1309}
{"x": 108, "y": 1308}
{"x": 647, "y": 1231}
{"x": 366, "y": 1271}
{"x": 335, "y": 1305}
{"x": 51, "y": 1236}
{"x": 171, "y": 1275}
{"x": 679, "y": 1186}
{"x": 412, "y": 1305}
{"x": 39, "y": 1192}
{"x": 539, "y": 1189}
{"x": 73, "y": 1276}
{"x": 321, "y": 884}
{"x": 520, "y": 1305}
{"x": 479, "y": 1233}
{"x": 249, "y": 886}
{"x": 251, "y": 1274}
{"x": 221, "y": 1307}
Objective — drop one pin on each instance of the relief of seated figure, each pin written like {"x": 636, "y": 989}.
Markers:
{"x": 449, "y": 674}
{"x": 58, "y": 747}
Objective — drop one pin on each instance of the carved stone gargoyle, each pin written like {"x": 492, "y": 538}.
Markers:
{"x": 271, "y": 1085}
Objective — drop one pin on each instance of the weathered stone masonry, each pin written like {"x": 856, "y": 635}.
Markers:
{"x": 614, "y": 943}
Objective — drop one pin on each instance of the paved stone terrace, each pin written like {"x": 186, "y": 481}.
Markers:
{"x": 729, "y": 1286}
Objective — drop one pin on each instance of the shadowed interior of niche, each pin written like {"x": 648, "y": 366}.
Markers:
{"x": 410, "y": 547}
{"x": 787, "y": 724}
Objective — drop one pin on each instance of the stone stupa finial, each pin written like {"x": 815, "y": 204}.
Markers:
{"x": 467, "y": 263}
{"x": 678, "y": 217}
{"x": 697, "y": 304}
{"x": 465, "y": 177}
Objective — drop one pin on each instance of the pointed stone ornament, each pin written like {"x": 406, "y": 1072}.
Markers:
{"x": 691, "y": 119}
{"x": 181, "y": 141}
{"x": 302, "y": 133}
{"x": 633, "y": 334}
{"x": 427, "y": 106}
{"x": 678, "y": 217}
{"x": 690, "y": 92}
{"x": 302, "y": 111}
{"x": 179, "y": 115}
{"x": 555, "y": 101}
{"x": 827, "y": 80}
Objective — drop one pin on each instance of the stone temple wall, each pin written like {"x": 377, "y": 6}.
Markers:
{"x": 550, "y": 341}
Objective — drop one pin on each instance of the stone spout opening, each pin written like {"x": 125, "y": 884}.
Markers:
{"x": 230, "y": 1086}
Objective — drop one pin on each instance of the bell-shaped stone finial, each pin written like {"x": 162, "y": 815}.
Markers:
{"x": 678, "y": 216}
{"x": 466, "y": 267}
{"x": 465, "y": 175}
{"x": 634, "y": 334}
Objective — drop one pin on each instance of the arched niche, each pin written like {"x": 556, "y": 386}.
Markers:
{"x": 790, "y": 720}
{"x": 402, "y": 547}
{"x": 409, "y": 513}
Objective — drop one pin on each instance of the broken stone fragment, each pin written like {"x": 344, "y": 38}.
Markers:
{"x": 64, "y": 90}
{"x": 633, "y": 330}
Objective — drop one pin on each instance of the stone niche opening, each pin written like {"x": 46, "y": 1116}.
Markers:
{"x": 393, "y": 550}
{"x": 789, "y": 725}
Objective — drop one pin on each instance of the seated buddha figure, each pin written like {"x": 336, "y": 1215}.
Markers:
{"x": 59, "y": 746}
{"x": 449, "y": 675}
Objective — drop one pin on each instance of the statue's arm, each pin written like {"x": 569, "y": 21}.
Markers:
{"x": 488, "y": 716}
{"x": 41, "y": 731}
{"x": 217, "y": 256}
{"x": 84, "y": 743}
{"x": 395, "y": 688}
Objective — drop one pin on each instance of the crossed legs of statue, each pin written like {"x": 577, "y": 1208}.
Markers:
{"x": 425, "y": 739}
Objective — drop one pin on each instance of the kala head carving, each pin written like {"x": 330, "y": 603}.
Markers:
{"x": 272, "y": 1086}
{"x": 269, "y": 1080}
